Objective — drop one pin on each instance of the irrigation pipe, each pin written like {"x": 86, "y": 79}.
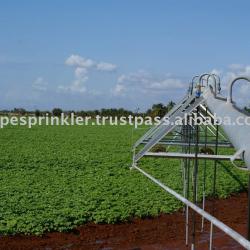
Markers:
{"x": 215, "y": 222}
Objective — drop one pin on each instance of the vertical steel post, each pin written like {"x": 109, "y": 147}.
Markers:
{"x": 215, "y": 162}
{"x": 204, "y": 178}
{"x": 195, "y": 175}
{"x": 248, "y": 210}
{"x": 188, "y": 161}
{"x": 184, "y": 161}
{"x": 187, "y": 225}
{"x": 211, "y": 237}
{"x": 185, "y": 135}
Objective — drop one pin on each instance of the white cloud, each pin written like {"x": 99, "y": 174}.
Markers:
{"x": 40, "y": 84}
{"x": 234, "y": 70}
{"x": 121, "y": 78}
{"x": 144, "y": 82}
{"x": 82, "y": 67}
{"x": 167, "y": 84}
{"x": 118, "y": 90}
{"x": 236, "y": 66}
{"x": 103, "y": 66}
{"x": 140, "y": 77}
{"x": 216, "y": 72}
{"x": 78, "y": 61}
{"x": 75, "y": 87}
{"x": 81, "y": 73}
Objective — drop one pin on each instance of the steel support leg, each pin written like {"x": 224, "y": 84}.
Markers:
{"x": 195, "y": 175}
{"x": 248, "y": 210}
{"x": 215, "y": 162}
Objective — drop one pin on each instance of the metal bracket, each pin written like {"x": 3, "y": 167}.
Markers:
{"x": 239, "y": 153}
{"x": 230, "y": 92}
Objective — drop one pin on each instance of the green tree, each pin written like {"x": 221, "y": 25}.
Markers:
{"x": 37, "y": 113}
{"x": 247, "y": 109}
{"x": 20, "y": 111}
{"x": 170, "y": 105}
{"x": 57, "y": 112}
{"x": 158, "y": 109}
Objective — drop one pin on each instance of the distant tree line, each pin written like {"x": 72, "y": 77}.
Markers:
{"x": 158, "y": 109}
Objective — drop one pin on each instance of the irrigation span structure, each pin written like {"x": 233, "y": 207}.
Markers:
{"x": 203, "y": 100}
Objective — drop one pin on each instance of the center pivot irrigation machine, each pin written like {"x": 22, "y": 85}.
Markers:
{"x": 202, "y": 100}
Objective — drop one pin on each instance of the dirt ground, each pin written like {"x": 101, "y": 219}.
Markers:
{"x": 160, "y": 233}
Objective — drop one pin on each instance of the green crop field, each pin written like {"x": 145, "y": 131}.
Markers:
{"x": 55, "y": 178}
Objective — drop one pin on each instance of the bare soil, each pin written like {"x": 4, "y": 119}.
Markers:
{"x": 166, "y": 231}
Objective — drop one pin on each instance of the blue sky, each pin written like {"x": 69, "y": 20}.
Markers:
{"x": 100, "y": 54}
